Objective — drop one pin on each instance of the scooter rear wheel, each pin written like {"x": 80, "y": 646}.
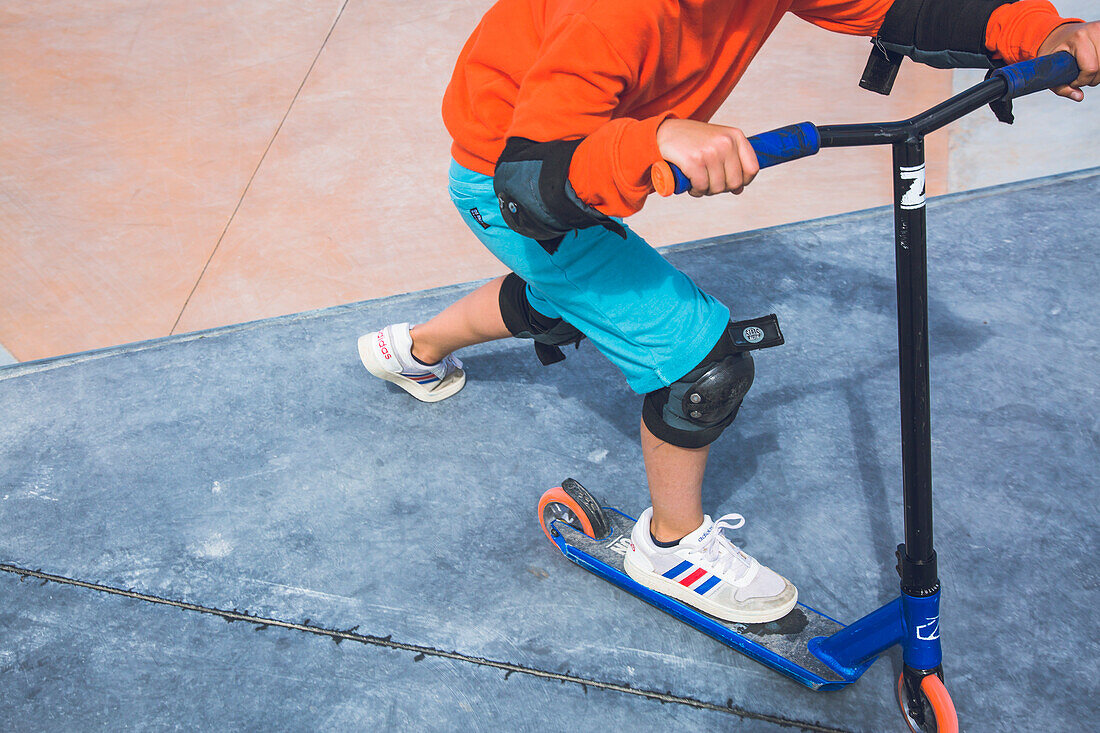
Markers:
{"x": 938, "y": 709}
{"x": 573, "y": 504}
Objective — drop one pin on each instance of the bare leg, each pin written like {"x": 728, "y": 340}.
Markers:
{"x": 675, "y": 474}
{"x": 675, "y": 477}
{"x": 474, "y": 319}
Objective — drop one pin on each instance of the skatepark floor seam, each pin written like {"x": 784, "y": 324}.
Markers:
{"x": 256, "y": 170}
{"x": 351, "y": 634}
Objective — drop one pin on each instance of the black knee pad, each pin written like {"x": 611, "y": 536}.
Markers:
{"x": 524, "y": 322}
{"x": 694, "y": 410}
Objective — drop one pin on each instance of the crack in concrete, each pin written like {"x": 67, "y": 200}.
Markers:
{"x": 339, "y": 635}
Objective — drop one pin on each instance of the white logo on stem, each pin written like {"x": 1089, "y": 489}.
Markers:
{"x": 914, "y": 197}
{"x": 929, "y": 631}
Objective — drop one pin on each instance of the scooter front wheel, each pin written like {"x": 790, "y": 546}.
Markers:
{"x": 937, "y": 711}
{"x": 572, "y": 504}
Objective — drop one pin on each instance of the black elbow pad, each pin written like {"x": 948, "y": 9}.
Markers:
{"x": 531, "y": 182}
{"x": 946, "y": 34}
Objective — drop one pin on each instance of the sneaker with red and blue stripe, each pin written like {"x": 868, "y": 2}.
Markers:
{"x": 387, "y": 354}
{"x": 708, "y": 572}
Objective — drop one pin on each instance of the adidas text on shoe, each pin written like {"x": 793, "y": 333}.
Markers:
{"x": 387, "y": 354}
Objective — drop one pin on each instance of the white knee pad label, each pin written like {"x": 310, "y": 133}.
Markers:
{"x": 753, "y": 335}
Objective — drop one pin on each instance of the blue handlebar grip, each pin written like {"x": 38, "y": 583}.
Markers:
{"x": 786, "y": 144}
{"x": 772, "y": 148}
{"x": 1038, "y": 74}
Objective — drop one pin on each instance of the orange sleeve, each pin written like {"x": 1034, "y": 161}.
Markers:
{"x": 854, "y": 17}
{"x": 574, "y": 90}
{"x": 1016, "y": 31}
{"x": 622, "y": 152}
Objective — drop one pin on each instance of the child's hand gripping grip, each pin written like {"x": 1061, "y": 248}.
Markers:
{"x": 772, "y": 148}
{"x": 1038, "y": 74}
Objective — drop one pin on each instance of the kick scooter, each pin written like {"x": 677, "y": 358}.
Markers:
{"x": 806, "y": 644}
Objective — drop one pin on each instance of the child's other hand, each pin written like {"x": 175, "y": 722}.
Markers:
{"x": 716, "y": 158}
{"x": 1083, "y": 41}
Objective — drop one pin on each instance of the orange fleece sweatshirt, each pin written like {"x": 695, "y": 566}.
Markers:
{"x": 610, "y": 71}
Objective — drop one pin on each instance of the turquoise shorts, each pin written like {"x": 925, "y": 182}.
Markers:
{"x": 648, "y": 318}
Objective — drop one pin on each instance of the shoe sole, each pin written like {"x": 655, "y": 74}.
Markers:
{"x": 454, "y": 381}
{"x": 691, "y": 598}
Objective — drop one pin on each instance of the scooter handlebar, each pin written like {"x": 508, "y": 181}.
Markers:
{"x": 772, "y": 148}
{"x": 1038, "y": 74}
{"x": 797, "y": 141}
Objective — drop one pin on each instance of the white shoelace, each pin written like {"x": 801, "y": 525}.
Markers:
{"x": 453, "y": 362}
{"x": 722, "y": 554}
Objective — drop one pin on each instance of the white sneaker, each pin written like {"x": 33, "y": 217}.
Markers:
{"x": 710, "y": 573}
{"x": 387, "y": 354}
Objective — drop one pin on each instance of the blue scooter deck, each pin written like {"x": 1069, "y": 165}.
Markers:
{"x": 782, "y": 644}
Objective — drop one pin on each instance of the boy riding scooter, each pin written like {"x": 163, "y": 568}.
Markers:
{"x": 558, "y": 109}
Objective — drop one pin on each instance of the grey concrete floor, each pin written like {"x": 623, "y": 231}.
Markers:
{"x": 257, "y": 474}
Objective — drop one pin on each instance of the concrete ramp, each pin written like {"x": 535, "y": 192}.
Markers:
{"x": 241, "y": 529}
